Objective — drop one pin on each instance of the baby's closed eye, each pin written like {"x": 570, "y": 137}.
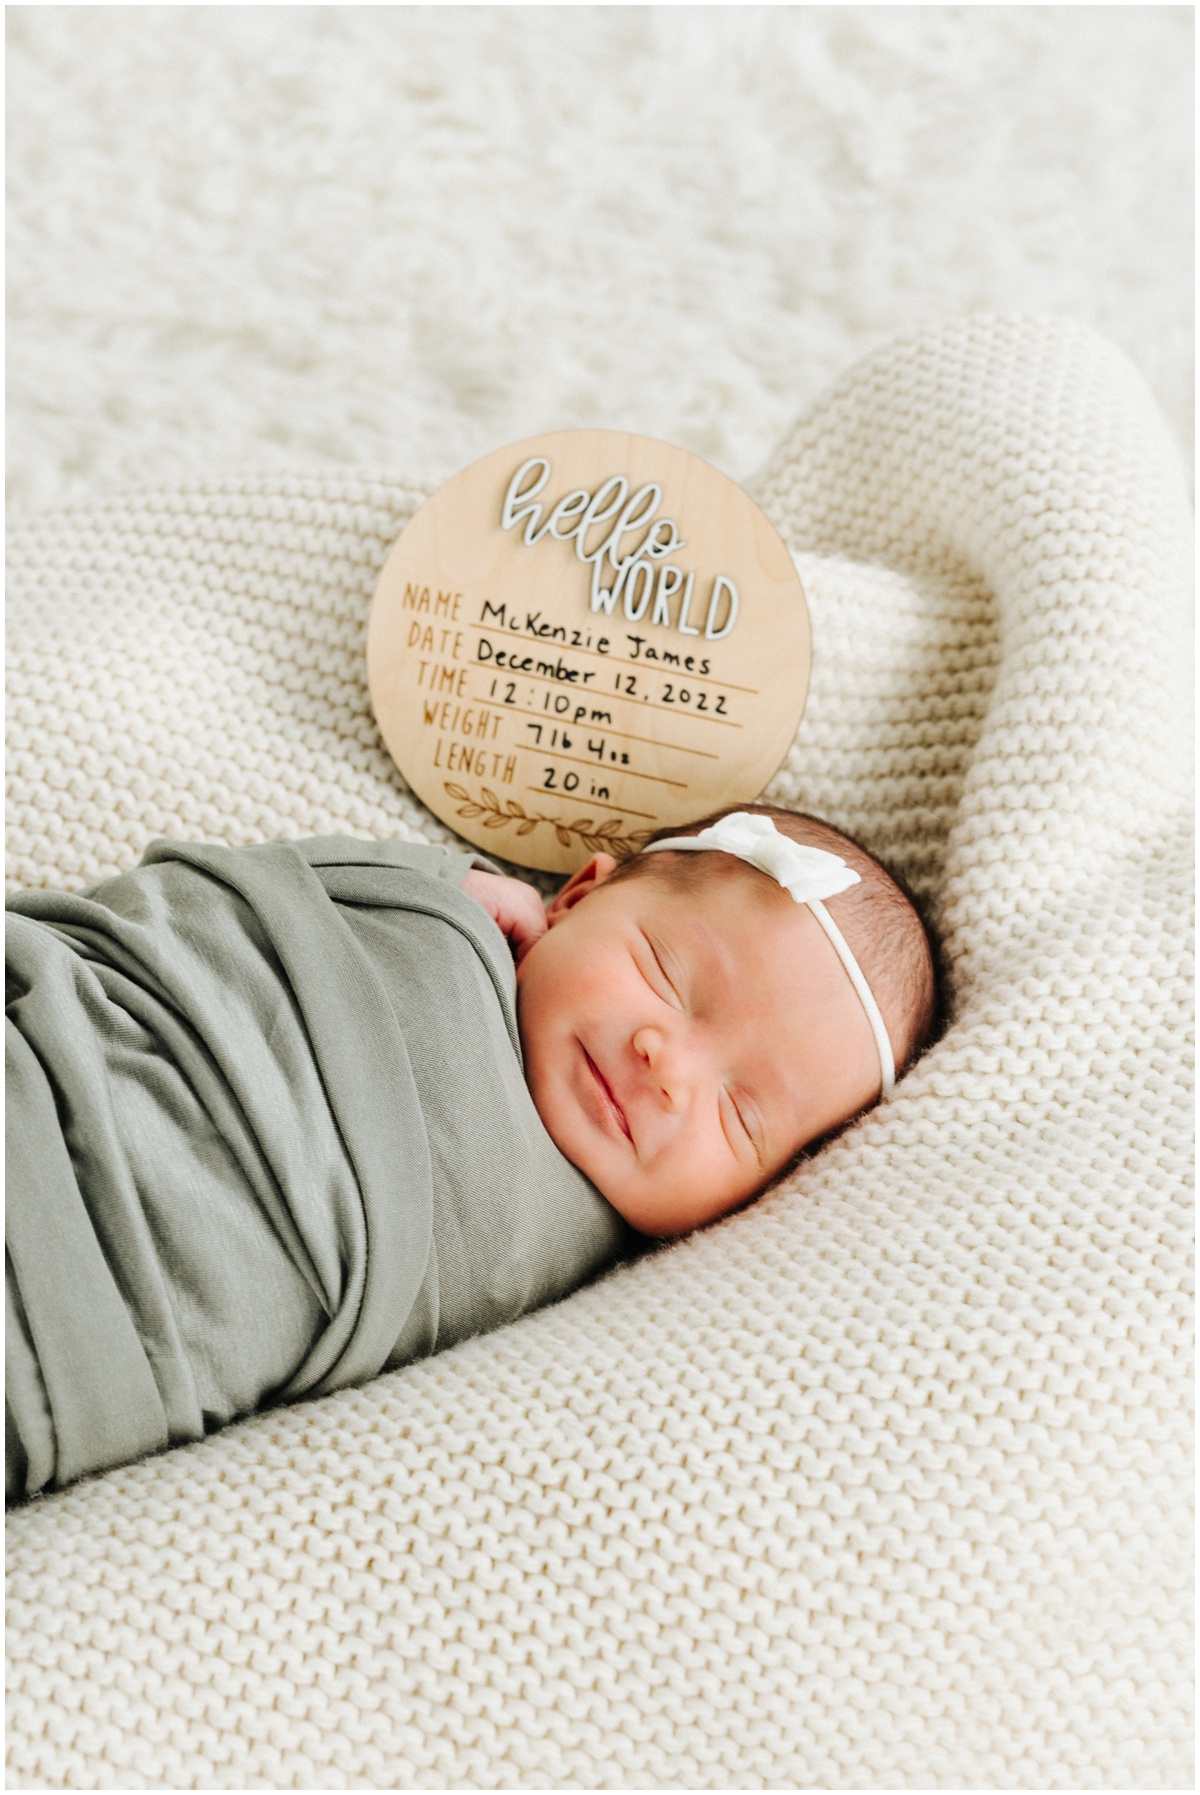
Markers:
{"x": 738, "y": 1116}
{"x": 653, "y": 964}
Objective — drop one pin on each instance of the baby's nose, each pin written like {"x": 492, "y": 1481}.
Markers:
{"x": 665, "y": 1063}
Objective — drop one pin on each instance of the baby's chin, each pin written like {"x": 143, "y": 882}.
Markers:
{"x": 662, "y": 1209}
{"x": 670, "y": 1214}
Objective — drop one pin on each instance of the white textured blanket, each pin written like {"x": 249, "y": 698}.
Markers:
{"x": 913, "y": 1511}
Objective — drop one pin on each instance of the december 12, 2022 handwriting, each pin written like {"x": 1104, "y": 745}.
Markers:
{"x": 560, "y": 666}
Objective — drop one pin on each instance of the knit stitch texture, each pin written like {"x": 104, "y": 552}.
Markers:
{"x": 883, "y": 1483}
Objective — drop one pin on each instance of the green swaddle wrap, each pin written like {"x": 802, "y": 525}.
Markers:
{"x": 268, "y": 1134}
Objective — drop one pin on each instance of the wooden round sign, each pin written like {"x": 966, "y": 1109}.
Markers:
{"x": 582, "y": 638}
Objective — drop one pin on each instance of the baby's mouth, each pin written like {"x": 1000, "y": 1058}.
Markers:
{"x": 605, "y": 1090}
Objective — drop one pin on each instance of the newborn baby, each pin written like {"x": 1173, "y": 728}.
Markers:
{"x": 692, "y": 1025}
{"x": 282, "y": 1117}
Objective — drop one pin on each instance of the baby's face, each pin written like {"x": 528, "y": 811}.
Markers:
{"x": 681, "y": 1046}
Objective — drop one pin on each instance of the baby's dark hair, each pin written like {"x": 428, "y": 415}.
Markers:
{"x": 879, "y": 918}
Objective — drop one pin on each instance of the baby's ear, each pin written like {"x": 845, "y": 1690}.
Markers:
{"x": 579, "y": 885}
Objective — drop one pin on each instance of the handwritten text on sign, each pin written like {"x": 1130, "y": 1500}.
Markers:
{"x": 547, "y": 713}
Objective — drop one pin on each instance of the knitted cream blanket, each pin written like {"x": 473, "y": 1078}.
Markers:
{"x": 912, "y": 1512}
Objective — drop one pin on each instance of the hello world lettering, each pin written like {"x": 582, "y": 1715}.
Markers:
{"x": 641, "y": 578}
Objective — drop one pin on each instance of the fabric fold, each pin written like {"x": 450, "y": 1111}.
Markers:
{"x": 239, "y": 1074}
{"x": 104, "y": 1403}
{"x": 368, "y": 1084}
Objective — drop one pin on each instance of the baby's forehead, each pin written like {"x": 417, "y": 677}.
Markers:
{"x": 726, "y": 908}
{"x": 715, "y": 884}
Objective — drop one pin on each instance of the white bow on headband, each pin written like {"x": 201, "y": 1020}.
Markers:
{"x": 808, "y": 874}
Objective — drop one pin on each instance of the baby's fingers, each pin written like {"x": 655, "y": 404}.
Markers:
{"x": 514, "y": 907}
{"x": 528, "y": 923}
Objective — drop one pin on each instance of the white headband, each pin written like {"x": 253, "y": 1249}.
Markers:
{"x": 809, "y": 874}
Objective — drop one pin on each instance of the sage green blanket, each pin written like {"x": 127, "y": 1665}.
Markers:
{"x": 268, "y": 1135}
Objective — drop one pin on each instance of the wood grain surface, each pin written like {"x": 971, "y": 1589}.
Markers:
{"x": 583, "y": 637}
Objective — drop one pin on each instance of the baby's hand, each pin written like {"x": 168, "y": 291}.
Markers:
{"x": 513, "y": 905}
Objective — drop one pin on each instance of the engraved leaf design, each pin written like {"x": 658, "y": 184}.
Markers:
{"x": 594, "y": 836}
